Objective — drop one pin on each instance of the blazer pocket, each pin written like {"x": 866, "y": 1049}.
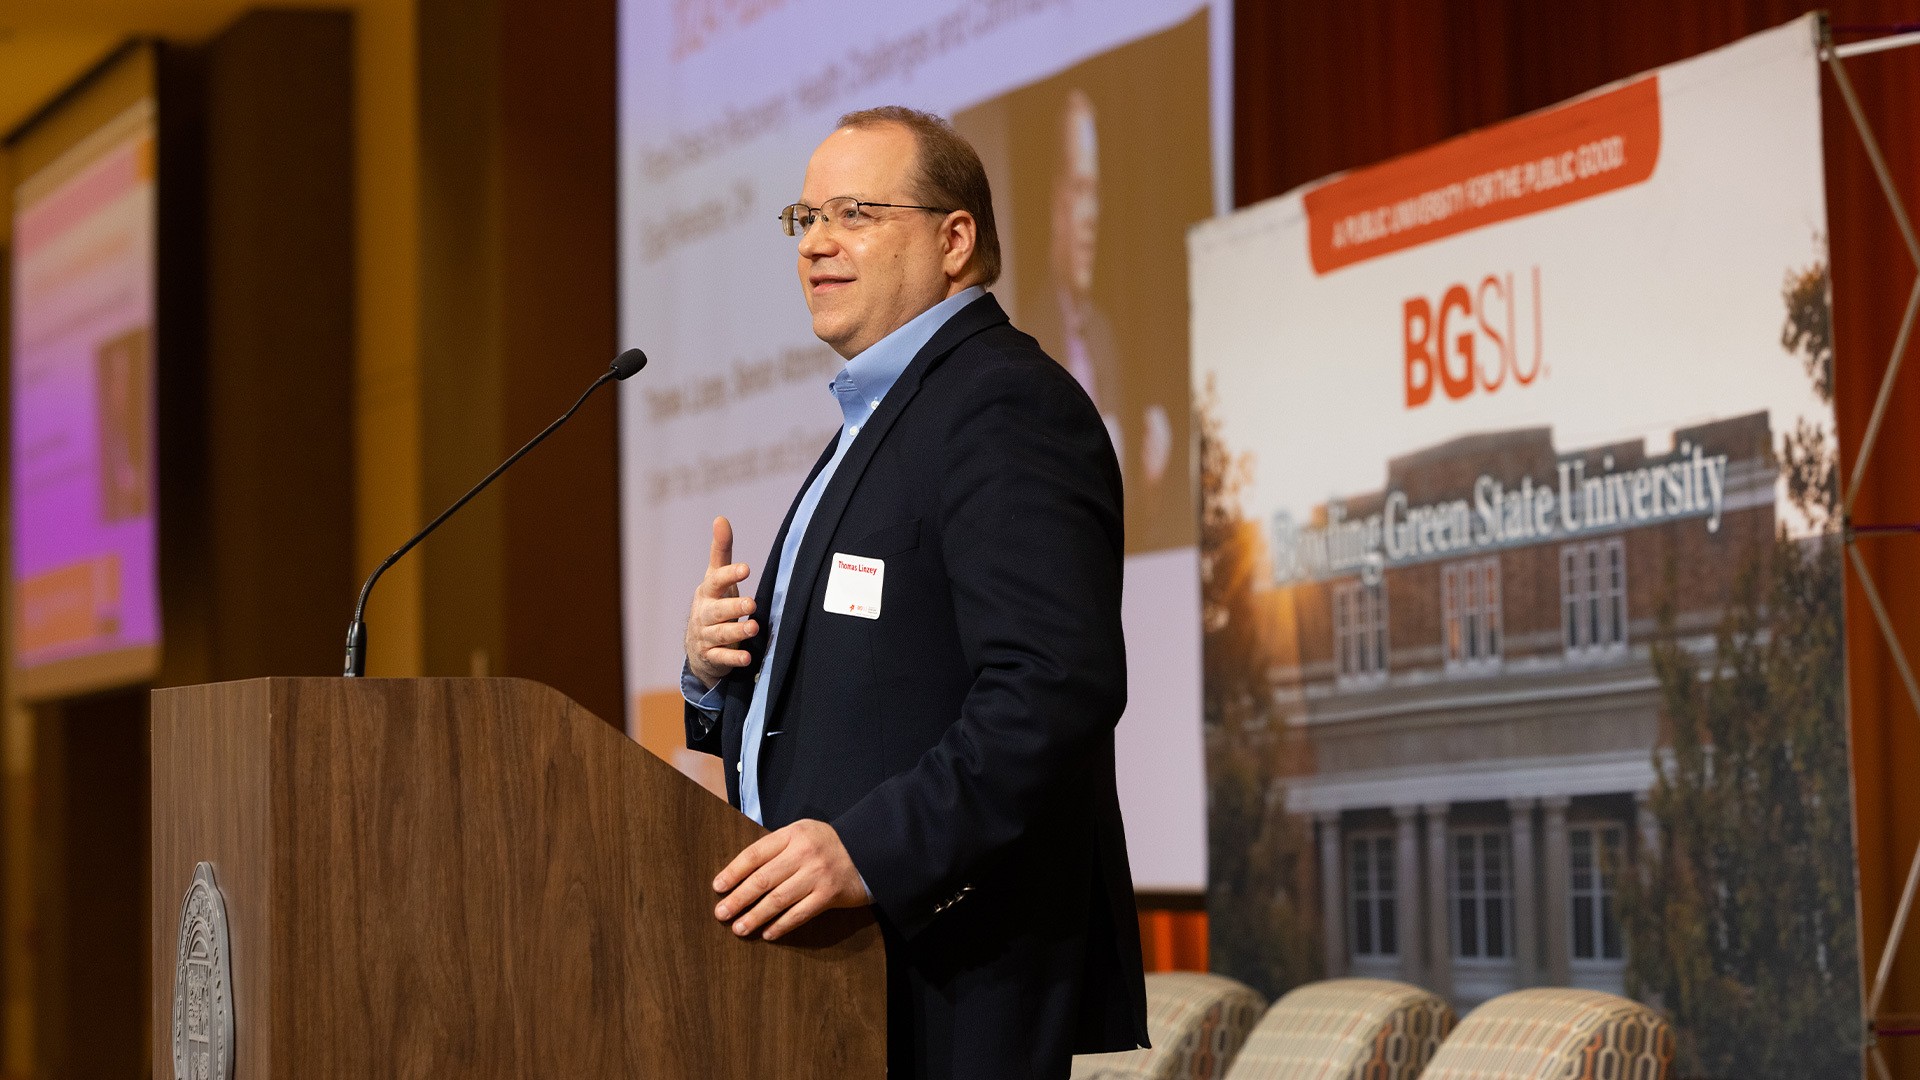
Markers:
{"x": 888, "y": 540}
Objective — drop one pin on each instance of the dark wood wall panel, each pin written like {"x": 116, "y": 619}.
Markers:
{"x": 92, "y": 889}
{"x": 561, "y": 538}
{"x": 1329, "y": 86}
{"x": 518, "y": 222}
{"x": 460, "y": 366}
{"x": 279, "y": 353}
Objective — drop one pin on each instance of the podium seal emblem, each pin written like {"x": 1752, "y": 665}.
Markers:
{"x": 203, "y": 985}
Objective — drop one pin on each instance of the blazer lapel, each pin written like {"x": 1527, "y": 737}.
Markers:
{"x": 733, "y": 720}
{"x": 965, "y": 323}
{"x": 763, "y": 595}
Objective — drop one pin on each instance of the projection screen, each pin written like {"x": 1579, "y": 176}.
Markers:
{"x": 1105, "y": 132}
{"x": 81, "y": 494}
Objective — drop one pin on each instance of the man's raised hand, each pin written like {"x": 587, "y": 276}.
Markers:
{"x": 715, "y": 626}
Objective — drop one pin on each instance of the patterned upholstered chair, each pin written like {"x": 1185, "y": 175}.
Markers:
{"x": 1345, "y": 1029}
{"x": 1197, "y": 1023}
{"x": 1556, "y": 1034}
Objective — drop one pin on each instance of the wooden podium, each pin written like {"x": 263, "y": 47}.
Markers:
{"x": 474, "y": 878}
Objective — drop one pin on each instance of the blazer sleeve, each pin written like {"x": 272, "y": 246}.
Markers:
{"x": 1031, "y": 535}
{"x": 702, "y": 735}
{"x": 703, "y": 725}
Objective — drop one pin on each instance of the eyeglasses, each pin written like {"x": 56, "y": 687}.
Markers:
{"x": 844, "y": 212}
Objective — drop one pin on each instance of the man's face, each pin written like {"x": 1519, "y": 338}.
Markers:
{"x": 1076, "y": 196}
{"x": 862, "y": 285}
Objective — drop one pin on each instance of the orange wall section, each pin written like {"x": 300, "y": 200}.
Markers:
{"x": 1173, "y": 939}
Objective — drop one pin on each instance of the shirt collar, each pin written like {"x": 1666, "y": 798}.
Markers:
{"x": 869, "y": 375}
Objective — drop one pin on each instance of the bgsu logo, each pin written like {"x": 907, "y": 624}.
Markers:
{"x": 1469, "y": 339}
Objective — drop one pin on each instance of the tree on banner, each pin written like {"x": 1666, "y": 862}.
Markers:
{"x": 1259, "y": 902}
{"x": 1753, "y": 888}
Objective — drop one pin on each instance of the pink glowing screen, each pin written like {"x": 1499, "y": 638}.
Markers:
{"x": 82, "y": 400}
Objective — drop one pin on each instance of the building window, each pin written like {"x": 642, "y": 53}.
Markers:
{"x": 1593, "y": 591}
{"x": 1596, "y": 851}
{"x": 1370, "y": 859}
{"x": 1482, "y": 895}
{"x": 1360, "y": 630}
{"x": 1470, "y": 602}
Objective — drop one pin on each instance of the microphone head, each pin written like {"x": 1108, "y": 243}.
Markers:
{"x": 628, "y": 363}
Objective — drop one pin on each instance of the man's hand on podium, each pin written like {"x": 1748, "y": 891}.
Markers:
{"x": 787, "y": 877}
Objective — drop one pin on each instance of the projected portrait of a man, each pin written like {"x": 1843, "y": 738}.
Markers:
{"x": 1104, "y": 172}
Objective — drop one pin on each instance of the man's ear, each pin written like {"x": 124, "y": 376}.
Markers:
{"x": 957, "y": 235}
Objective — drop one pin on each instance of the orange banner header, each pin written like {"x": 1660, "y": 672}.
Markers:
{"x": 1599, "y": 144}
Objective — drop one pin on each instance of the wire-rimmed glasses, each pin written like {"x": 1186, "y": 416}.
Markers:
{"x": 843, "y": 212}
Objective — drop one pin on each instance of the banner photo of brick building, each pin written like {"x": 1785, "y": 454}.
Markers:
{"x": 1520, "y": 568}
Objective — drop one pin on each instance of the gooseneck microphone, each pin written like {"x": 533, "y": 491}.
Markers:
{"x": 624, "y": 366}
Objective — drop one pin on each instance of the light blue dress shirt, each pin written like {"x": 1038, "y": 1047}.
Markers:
{"x": 860, "y": 387}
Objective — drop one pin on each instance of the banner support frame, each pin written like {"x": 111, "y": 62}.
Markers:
{"x": 1870, "y": 45}
{"x": 1833, "y": 55}
{"x": 1907, "y": 894}
{"x": 1894, "y": 203}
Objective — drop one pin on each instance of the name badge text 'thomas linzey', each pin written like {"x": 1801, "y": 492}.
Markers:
{"x": 853, "y": 586}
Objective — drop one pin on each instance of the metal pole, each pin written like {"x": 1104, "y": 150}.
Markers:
{"x": 1886, "y": 626}
{"x": 1892, "y": 947}
{"x": 1873, "y": 45}
{"x": 1879, "y": 1060}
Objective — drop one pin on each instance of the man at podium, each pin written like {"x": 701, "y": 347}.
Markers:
{"x": 920, "y": 697}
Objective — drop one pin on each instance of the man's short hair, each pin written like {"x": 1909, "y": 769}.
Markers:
{"x": 949, "y": 175}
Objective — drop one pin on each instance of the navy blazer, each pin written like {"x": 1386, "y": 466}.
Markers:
{"x": 962, "y": 743}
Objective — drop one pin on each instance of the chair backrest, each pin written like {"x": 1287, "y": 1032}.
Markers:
{"x": 1197, "y": 1023}
{"x": 1556, "y": 1034}
{"x": 1346, "y": 1029}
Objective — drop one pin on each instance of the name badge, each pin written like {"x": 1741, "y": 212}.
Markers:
{"x": 853, "y": 586}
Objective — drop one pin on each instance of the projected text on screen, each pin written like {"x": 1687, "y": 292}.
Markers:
{"x": 82, "y": 399}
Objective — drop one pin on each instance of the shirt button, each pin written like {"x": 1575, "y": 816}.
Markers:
{"x": 875, "y": 403}
{"x": 740, "y": 766}
{"x": 854, "y": 430}
{"x": 756, "y": 677}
